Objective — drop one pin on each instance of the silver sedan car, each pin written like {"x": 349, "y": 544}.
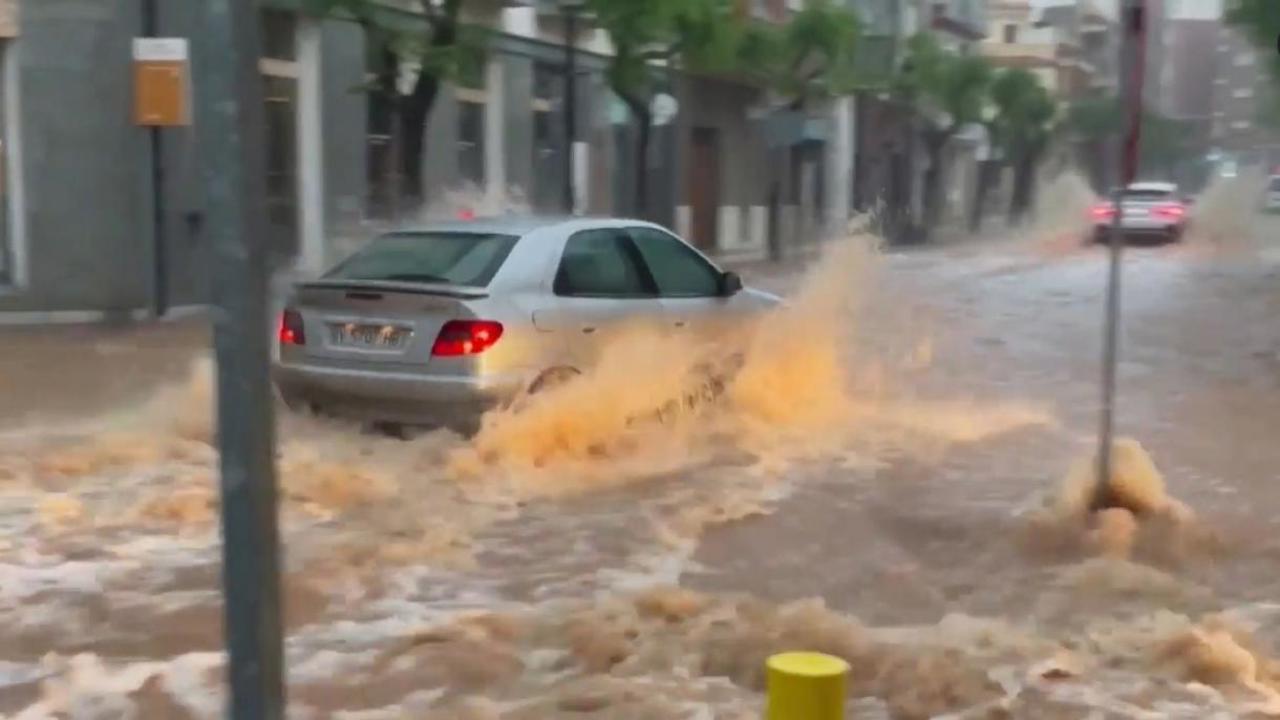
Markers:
{"x": 434, "y": 326}
{"x": 1147, "y": 209}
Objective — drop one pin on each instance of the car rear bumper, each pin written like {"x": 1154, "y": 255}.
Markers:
{"x": 1147, "y": 229}
{"x": 409, "y": 398}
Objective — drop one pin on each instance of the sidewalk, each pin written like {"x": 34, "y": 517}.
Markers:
{"x": 55, "y": 372}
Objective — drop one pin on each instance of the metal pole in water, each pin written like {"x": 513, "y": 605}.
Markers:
{"x": 230, "y": 122}
{"x": 1132, "y": 70}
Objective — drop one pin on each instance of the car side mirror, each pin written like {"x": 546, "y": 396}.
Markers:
{"x": 730, "y": 284}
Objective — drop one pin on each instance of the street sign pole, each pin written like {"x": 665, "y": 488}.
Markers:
{"x": 159, "y": 259}
{"x": 230, "y": 122}
{"x": 571, "y": 11}
{"x": 1132, "y": 70}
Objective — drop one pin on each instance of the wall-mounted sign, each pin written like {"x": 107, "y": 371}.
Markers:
{"x": 8, "y": 18}
{"x": 160, "y": 78}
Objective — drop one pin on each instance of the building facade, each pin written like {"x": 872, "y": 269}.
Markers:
{"x": 101, "y": 222}
{"x": 1246, "y": 112}
{"x": 1070, "y": 47}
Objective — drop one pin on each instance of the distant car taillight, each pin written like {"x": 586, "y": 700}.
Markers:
{"x": 1102, "y": 211}
{"x": 291, "y": 330}
{"x": 1171, "y": 211}
{"x": 466, "y": 337}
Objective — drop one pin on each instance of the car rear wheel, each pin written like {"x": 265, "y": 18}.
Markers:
{"x": 552, "y": 378}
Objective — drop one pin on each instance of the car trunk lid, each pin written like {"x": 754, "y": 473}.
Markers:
{"x": 378, "y": 323}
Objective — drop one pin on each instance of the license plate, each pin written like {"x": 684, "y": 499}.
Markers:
{"x": 383, "y": 337}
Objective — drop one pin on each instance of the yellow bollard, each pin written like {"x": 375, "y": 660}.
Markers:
{"x": 805, "y": 686}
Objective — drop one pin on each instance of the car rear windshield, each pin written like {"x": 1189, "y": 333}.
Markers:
{"x": 1148, "y": 194}
{"x": 453, "y": 258}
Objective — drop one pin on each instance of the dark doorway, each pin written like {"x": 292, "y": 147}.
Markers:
{"x": 704, "y": 187}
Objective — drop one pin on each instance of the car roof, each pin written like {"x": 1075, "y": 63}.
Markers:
{"x": 1153, "y": 186}
{"x": 521, "y": 224}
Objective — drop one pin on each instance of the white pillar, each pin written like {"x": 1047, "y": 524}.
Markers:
{"x": 839, "y": 164}
{"x": 14, "y": 174}
{"x": 311, "y": 257}
{"x": 495, "y": 139}
{"x": 581, "y": 176}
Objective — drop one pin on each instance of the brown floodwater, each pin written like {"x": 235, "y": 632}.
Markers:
{"x": 899, "y": 476}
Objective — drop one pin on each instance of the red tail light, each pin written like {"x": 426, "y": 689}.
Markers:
{"x": 466, "y": 337}
{"x": 1172, "y": 211}
{"x": 1102, "y": 211}
{"x": 291, "y": 330}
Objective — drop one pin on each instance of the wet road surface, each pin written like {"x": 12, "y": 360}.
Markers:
{"x": 897, "y": 527}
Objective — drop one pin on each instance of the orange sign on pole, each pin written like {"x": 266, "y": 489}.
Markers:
{"x": 160, "y": 78}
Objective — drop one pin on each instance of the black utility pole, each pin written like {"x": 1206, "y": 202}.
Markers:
{"x": 159, "y": 247}
{"x": 230, "y": 119}
{"x": 570, "y": 10}
{"x": 1132, "y": 71}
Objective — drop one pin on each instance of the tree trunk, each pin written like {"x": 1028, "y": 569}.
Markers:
{"x": 642, "y": 166}
{"x": 415, "y": 108}
{"x": 414, "y": 111}
{"x": 1023, "y": 178}
{"x": 985, "y": 168}
{"x": 935, "y": 143}
{"x": 644, "y": 126}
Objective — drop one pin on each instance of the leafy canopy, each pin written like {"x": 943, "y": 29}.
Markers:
{"x": 945, "y": 83}
{"x": 692, "y": 32}
{"x": 812, "y": 56}
{"x": 434, "y": 39}
{"x": 1024, "y": 111}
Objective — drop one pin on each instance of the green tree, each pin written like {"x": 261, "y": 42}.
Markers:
{"x": 949, "y": 91}
{"x": 692, "y": 33}
{"x": 800, "y": 63}
{"x": 1096, "y": 123}
{"x": 435, "y": 43}
{"x": 1021, "y": 128}
{"x": 807, "y": 59}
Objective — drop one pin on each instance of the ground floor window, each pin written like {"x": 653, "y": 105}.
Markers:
{"x": 280, "y": 71}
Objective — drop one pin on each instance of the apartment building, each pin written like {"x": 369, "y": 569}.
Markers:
{"x": 1070, "y": 47}
{"x": 1246, "y": 111}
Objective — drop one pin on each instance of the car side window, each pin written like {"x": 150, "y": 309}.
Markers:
{"x": 602, "y": 263}
{"x": 677, "y": 269}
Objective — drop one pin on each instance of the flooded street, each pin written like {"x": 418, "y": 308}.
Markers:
{"x": 882, "y": 481}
